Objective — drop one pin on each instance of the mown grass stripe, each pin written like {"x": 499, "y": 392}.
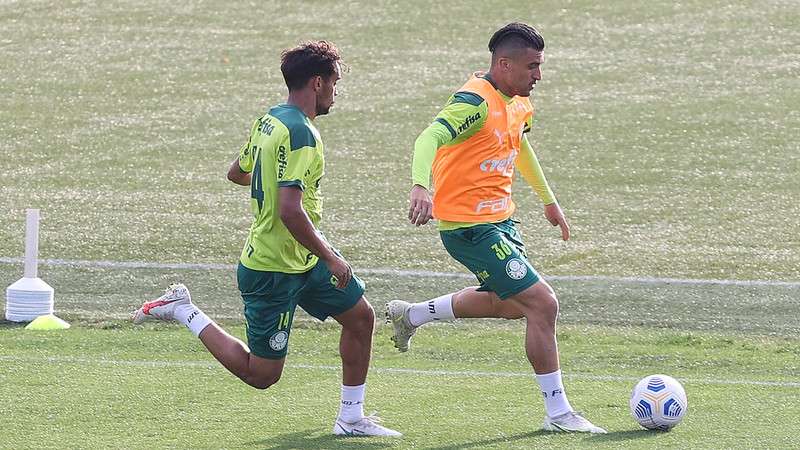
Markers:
{"x": 404, "y": 273}
{"x": 392, "y": 370}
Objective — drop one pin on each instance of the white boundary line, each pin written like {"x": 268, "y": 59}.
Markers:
{"x": 385, "y": 370}
{"x": 404, "y": 273}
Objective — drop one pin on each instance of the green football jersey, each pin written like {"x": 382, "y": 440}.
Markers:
{"x": 284, "y": 149}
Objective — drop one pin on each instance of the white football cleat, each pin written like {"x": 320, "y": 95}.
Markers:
{"x": 397, "y": 315}
{"x": 163, "y": 308}
{"x": 367, "y": 426}
{"x": 570, "y": 422}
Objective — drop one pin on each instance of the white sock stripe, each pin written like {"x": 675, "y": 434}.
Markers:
{"x": 390, "y": 370}
{"x": 406, "y": 273}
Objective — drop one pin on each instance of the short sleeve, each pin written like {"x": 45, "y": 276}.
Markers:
{"x": 464, "y": 114}
{"x": 292, "y": 165}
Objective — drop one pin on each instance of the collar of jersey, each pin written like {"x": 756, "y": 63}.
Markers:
{"x": 488, "y": 78}
{"x": 289, "y": 105}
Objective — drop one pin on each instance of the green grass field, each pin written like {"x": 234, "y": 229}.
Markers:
{"x": 667, "y": 130}
{"x": 461, "y": 387}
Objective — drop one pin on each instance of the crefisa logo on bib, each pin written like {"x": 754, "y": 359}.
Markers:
{"x": 279, "y": 340}
{"x": 516, "y": 269}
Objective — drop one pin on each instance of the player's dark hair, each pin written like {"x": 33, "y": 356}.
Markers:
{"x": 307, "y": 60}
{"x": 516, "y": 36}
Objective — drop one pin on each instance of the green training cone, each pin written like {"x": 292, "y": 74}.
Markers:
{"x": 47, "y": 322}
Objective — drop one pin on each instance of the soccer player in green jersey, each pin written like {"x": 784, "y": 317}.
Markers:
{"x": 470, "y": 150}
{"x": 286, "y": 261}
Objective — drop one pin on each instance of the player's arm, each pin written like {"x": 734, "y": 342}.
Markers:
{"x": 290, "y": 205}
{"x": 293, "y": 163}
{"x": 240, "y": 168}
{"x": 421, "y": 206}
{"x": 530, "y": 169}
{"x": 237, "y": 175}
{"x": 464, "y": 114}
{"x": 428, "y": 142}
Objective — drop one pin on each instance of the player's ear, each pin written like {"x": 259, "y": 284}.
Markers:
{"x": 505, "y": 63}
{"x": 317, "y": 82}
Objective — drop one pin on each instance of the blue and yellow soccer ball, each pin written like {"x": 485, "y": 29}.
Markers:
{"x": 658, "y": 402}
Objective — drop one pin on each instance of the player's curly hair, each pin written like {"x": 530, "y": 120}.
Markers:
{"x": 516, "y": 35}
{"x": 307, "y": 60}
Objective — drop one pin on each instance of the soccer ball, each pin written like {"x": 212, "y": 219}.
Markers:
{"x": 658, "y": 402}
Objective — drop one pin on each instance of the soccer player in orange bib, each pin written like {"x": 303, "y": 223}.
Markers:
{"x": 470, "y": 151}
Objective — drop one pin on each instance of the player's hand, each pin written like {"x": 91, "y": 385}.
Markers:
{"x": 340, "y": 269}
{"x": 421, "y": 209}
{"x": 556, "y": 217}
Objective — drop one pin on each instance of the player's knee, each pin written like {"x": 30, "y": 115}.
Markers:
{"x": 364, "y": 323}
{"x": 540, "y": 303}
{"x": 547, "y": 310}
{"x": 550, "y": 305}
{"x": 263, "y": 377}
{"x": 264, "y": 380}
{"x": 369, "y": 315}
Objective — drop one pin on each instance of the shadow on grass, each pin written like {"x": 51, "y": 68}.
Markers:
{"x": 7, "y": 324}
{"x": 499, "y": 440}
{"x": 628, "y": 435}
{"x": 312, "y": 439}
{"x": 589, "y": 438}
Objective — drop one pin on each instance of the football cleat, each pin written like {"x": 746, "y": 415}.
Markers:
{"x": 367, "y": 426}
{"x": 163, "y": 308}
{"x": 570, "y": 422}
{"x": 397, "y": 315}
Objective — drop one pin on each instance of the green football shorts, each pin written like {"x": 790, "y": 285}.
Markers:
{"x": 270, "y": 299}
{"x": 494, "y": 252}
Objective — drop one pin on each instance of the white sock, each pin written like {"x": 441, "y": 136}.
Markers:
{"x": 440, "y": 308}
{"x": 555, "y": 399}
{"x": 191, "y": 316}
{"x": 352, "y": 407}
